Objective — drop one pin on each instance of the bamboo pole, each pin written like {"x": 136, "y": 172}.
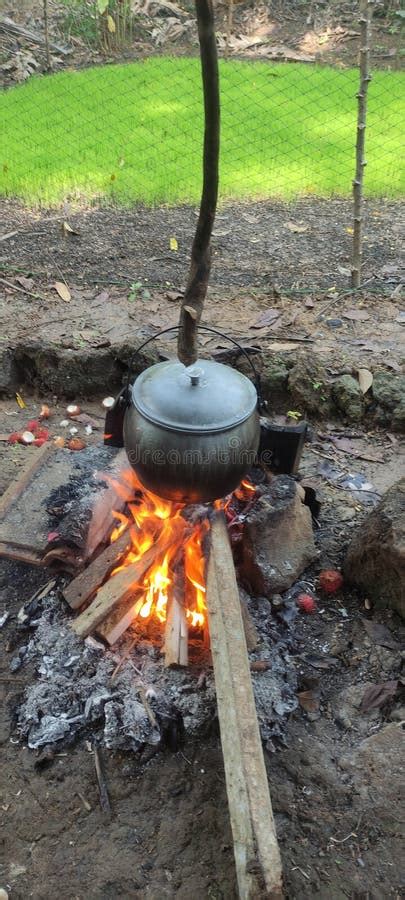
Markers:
{"x": 366, "y": 7}
{"x": 46, "y": 36}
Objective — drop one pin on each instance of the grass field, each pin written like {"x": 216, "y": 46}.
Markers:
{"x": 134, "y": 132}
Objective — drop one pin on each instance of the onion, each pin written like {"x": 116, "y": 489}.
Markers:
{"x": 73, "y": 430}
{"x": 76, "y": 444}
{"x": 64, "y": 423}
{"x": 73, "y": 410}
{"x": 59, "y": 441}
{"x": 45, "y": 412}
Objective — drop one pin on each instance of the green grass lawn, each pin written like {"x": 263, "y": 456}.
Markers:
{"x": 134, "y": 133}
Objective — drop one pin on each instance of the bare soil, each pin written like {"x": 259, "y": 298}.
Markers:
{"x": 335, "y": 782}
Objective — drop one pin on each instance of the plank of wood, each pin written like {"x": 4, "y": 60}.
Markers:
{"x": 122, "y": 586}
{"x": 114, "y": 625}
{"x": 176, "y": 635}
{"x": 87, "y": 583}
{"x": 113, "y": 497}
{"x": 15, "y": 489}
{"x": 256, "y": 851}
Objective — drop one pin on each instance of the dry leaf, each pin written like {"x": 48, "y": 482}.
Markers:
{"x": 191, "y": 311}
{"x": 343, "y": 271}
{"x": 267, "y": 318}
{"x": 308, "y": 701}
{"x": 20, "y": 401}
{"x": 26, "y": 283}
{"x": 309, "y": 303}
{"x": 174, "y": 295}
{"x": 111, "y": 25}
{"x": 349, "y": 230}
{"x": 296, "y": 229}
{"x": 365, "y": 380}
{"x": 63, "y": 291}
{"x": 67, "y": 229}
{"x": 377, "y": 695}
{"x": 356, "y": 315}
{"x": 400, "y": 317}
{"x": 173, "y": 244}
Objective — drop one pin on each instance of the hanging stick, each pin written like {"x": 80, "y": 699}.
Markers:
{"x": 365, "y": 77}
{"x": 200, "y": 266}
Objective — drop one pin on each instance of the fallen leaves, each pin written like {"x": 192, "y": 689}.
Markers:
{"x": 267, "y": 318}
{"x": 377, "y": 695}
{"x": 173, "y": 244}
{"x": 20, "y": 402}
{"x": 62, "y": 289}
{"x": 356, "y": 315}
{"x": 295, "y": 228}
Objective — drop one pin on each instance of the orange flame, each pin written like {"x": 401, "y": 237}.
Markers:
{"x": 148, "y": 516}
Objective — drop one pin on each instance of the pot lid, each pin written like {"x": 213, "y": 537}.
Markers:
{"x": 207, "y": 396}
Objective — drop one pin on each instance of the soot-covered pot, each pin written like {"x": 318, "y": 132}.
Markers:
{"x": 191, "y": 434}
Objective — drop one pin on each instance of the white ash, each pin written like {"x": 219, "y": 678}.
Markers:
{"x": 76, "y": 696}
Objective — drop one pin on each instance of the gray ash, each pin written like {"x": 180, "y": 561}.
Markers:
{"x": 79, "y": 693}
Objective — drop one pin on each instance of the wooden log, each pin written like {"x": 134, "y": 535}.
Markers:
{"x": 122, "y": 586}
{"x": 256, "y": 851}
{"x": 112, "y": 498}
{"x": 176, "y": 627}
{"x": 87, "y": 583}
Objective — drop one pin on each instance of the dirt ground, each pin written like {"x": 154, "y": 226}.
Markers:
{"x": 124, "y": 282}
{"x": 335, "y": 782}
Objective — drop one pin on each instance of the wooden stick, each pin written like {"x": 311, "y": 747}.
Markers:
{"x": 10, "y": 27}
{"x": 102, "y": 784}
{"x": 22, "y": 290}
{"x": 122, "y": 586}
{"x": 196, "y": 289}
{"x": 87, "y": 583}
{"x": 365, "y": 77}
{"x": 176, "y": 628}
{"x": 257, "y": 856}
{"x": 120, "y": 619}
{"x": 36, "y": 455}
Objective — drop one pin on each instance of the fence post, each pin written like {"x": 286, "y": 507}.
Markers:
{"x": 365, "y": 77}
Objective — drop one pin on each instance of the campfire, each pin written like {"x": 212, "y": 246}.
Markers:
{"x": 158, "y": 571}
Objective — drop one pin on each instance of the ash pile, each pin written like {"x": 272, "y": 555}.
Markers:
{"x": 125, "y": 699}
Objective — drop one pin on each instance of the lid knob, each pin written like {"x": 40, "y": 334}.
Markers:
{"x": 194, "y": 375}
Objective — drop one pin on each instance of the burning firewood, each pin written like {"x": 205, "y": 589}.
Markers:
{"x": 87, "y": 583}
{"x": 122, "y": 586}
{"x": 176, "y": 632}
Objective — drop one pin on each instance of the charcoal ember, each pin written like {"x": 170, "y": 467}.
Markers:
{"x": 49, "y": 730}
{"x": 278, "y": 542}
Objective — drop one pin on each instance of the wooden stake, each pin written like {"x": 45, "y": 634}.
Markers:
{"x": 123, "y": 585}
{"x": 366, "y": 7}
{"x": 176, "y": 628}
{"x": 200, "y": 266}
{"x": 257, "y": 856}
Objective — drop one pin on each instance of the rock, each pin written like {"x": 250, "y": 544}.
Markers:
{"x": 346, "y": 709}
{"x": 348, "y": 398}
{"x": 278, "y": 541}
{"x": 389, "y": 395}
{"x": 8, "y": 372}
{"x": 309, "y": 389}
{"x": 376, "y": 769}
{"x": 274, "y": 383}
{"x": 375, "y": 560}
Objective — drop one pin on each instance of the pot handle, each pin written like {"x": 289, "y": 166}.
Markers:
{"x": 174, "y": 328}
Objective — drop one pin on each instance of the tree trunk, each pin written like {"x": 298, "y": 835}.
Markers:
{"x": 200, "y": 266}
{"x": 365, "y": 77}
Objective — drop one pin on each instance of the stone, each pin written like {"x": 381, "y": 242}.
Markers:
{"x": 8, "y": 372}
{"x": 375, "y": 560}
{"x": 389, "y": 395}
{"x": 274, "y": 383}
{"x": 278, "y": 541}
{"x": 348, "y": 398}
{"x": 309, "y": 388}
{"x": 377, "y": 774}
